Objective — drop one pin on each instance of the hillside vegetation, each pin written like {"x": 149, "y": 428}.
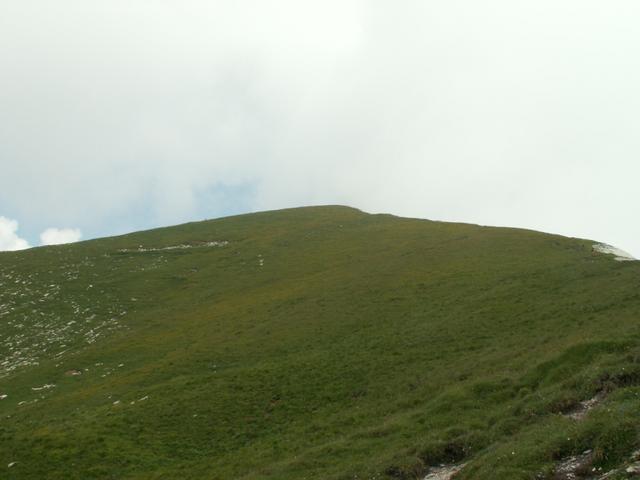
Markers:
{"x": 317, "y": 343}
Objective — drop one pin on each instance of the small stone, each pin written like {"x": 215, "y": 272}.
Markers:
{"x": 634, "y": 468}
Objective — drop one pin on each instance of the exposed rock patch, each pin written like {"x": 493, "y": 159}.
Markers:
{"x": 220, "y": 243}
{"x": 580, "y": 411}
{"x": 579, "y": 467}
{"x": 620, "y": 255}
{"x": 633, "y": 469}
{"x": 444, "y": 472}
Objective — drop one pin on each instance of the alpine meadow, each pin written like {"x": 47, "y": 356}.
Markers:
{"x": 320, "y": 343}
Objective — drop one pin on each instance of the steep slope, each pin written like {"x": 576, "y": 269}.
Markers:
{"x": 317, "y": 343}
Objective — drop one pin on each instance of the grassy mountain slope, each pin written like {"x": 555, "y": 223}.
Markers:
{"x": 315, "y": 343}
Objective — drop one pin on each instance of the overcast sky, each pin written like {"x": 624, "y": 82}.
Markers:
{"x": 121, "y": 115}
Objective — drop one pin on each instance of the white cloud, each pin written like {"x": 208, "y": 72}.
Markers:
{"x": 56, "y": 236}
{"x": 505, "y": 112}
{"x": 9, "y": 239}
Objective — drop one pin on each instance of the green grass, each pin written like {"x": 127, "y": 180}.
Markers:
{"x": 364, "y": 346}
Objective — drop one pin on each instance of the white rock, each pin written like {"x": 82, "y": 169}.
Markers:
{"x": 46, "y": 386}
{"x": 634, "y": 468}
